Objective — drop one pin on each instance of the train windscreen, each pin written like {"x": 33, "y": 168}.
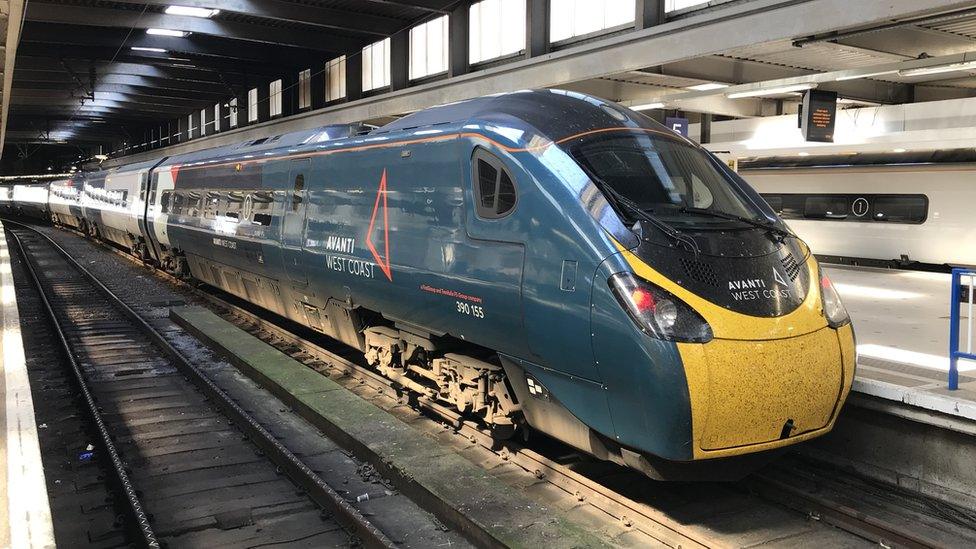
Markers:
{"x": 662, "y": 176}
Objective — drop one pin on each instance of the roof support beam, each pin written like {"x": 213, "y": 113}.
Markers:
{"x": 52, "y": 35}
{"x": 125, "y": 19}
{"x": 295, "y": 13}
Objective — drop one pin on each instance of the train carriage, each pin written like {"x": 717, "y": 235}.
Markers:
{"x": 537, "y": 260}
{"x": 873, "y": 208}
{"x": 64, "y": 202}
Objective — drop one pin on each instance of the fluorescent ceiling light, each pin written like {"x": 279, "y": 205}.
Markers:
{"x": 899, "y": 150}
{"x": 708, "y": 86}
{"x": 648, "y": 106}
{"x": 154, "y": 50}
{"x": 166, "y": 32}
{"x": 191, "y": 12}
{"x": 938, "y": 69}
{"x": 865, "y": 75}
{"x": 772, "y": 91}
{"x": 804, "y": 153}
{"x": 101, "y": 157}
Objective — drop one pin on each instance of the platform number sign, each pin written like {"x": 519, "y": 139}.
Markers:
{"x": 678, "y": 125}
{"x": 860, "y": 206}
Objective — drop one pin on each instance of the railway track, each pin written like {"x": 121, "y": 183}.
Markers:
{"x": 165, "y": 430}
{"x": 617, "y": 496}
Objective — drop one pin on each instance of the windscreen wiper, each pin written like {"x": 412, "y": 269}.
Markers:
{"x": 732, "y": 217}
{"x": 621, "y": 202}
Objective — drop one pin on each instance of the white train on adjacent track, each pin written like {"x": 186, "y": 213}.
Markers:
{"x": 906, "y": 208}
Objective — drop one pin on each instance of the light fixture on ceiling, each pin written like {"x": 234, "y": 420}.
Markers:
{"x": 708, "y": 86}
{"x": 101, "y": 157}
{"x": 803, "y": 153}
{"x": 648, "y": 106}
{"x": 899, "y": 150}
{"x": 772, "y": 91}
{"x": 865, "y": 75}
{"x": 938, "y": 69}
{"x": 167, "y": 32}
{"x": 153, "y": 50}
{"x": 191, "y": 12}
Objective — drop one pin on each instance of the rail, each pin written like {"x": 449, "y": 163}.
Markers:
{"x": 958, "y": 274}
{"x": 307, "y": 479}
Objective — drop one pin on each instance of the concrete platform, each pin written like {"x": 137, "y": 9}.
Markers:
{"x": 25, "y": 514}
{"x": 448, "y": 485}
{"x": 901, "y": 319}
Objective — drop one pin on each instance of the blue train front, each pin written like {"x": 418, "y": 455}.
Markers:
{"x": 538, "y": 258}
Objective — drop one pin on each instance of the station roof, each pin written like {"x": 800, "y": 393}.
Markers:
{"x": 87, "y": 70}
{"x": 79, "y": 80}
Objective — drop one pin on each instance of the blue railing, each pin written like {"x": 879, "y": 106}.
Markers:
{"x": 955, "y": 354}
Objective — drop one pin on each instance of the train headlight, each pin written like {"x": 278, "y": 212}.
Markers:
{"x": 657, "y": 312}
{"x": 833, "y": 308}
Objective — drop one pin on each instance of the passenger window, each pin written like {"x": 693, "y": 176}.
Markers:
{"x": 825, "y": 207}
{"x": 775, "y": 202}
{"x": 176, "y": 203}
{"x": 861, "y": 208}
{"x": 164, "y": 202}
{"x": 263, "y": 200}
{"x": 495, "y": 189}
{"x": 900, "y": 209}
{"x": 296, "y": 197}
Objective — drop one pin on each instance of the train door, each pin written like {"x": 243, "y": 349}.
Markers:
{"x": 140, "y": 211}
{"x": 497, "y": 243}
{"x": 161, "y": 183}
{"x": 293, "y": 221}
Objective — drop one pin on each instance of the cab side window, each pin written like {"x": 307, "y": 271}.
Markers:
{"x": 494, "y": 188}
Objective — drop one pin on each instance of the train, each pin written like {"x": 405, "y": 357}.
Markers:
{"x": 541, "y": 261}
{"x": 908, "y": 209}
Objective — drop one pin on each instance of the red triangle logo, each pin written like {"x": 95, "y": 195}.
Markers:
{"x": 173, "y": 171}
{"x": 384, "y": 260}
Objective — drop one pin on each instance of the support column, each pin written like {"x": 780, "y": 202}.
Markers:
{"x": 264, "y": 102}
{"x": 354, "y": 76}
{"x": 649, "y": 13}
{"x": 206, "y": 121}
{"x": 289, "y": 94}
{"x": 536, "y": 27}
{"x": 242, "y": 109}
{"x": 193, "y": 131}
{"x": 457, "y": 39}
{"x": 318, "y": 87}
{"x": 399, "y": 60}
{"x": 221, "y": 117}
{"x": 706, "y": 129}
{"x": 180, "y": 133}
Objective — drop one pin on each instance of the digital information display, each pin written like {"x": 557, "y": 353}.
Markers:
{"x": 818, "y": 115}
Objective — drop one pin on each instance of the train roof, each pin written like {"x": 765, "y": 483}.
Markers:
{"x": 264, "y": 145}
{"x": 552, "y": 112}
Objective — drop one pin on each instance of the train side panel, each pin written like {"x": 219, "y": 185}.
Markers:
{"x": 940, "y": 239}
{"x": 64, "y": 201}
